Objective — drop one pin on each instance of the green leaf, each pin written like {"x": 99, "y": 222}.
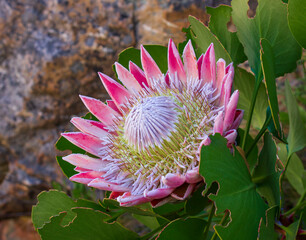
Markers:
{"x": 63, "y": 144}
{"x": 198, "y": 202}
{"x": 297, "y": 19}
{"x": 203, "y": 37}
{"x": 170, "y": 210}
{"x": 150, "y": 222}
{"x": 297, "y": 134}
{"x": 52, "y": 203}
{"x": 67, "y": 168}
{"x": 245, "y": 83}
{"x": 88, "y": 224}
{"x": 237, "y": 192}
{"x": 267, "y": 61}
{"x": 292, "y": 229}
{"x": 270, "y": 22}
{"x": 252, "y": 158}
{"x": 267, "y": 227}
{"x": 180, "y": 229}
{"x": 265, "y": 175}
{"x": 220, "y": 16}
{"x": 295, "y": 169}
{"x": 158, "y": 53}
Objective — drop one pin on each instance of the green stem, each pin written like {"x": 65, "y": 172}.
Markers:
{"x": 221, "y": 224}
{"x": 261, "y": 132}
{"x": 253, "y": 100}
{"x": 299, "y": 204}
{"x": 211, "y": 214}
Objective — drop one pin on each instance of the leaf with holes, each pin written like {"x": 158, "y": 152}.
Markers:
{"x": 236, "y": 192}
{"x": 219, "y": 19}
{"x": 270, "y": 22}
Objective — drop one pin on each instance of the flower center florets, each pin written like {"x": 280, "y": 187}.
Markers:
{"x": 150, "y": 122}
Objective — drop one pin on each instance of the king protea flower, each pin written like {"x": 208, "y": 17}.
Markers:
{"x": 148, "y": 138}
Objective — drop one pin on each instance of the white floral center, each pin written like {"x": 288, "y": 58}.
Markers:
{"x": 151, "y": 121}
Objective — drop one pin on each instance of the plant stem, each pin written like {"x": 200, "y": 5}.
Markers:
{"x": 221, "y": 224}
{"x": 254, "y": 96}
{"x": 211, "y": 214}
{"x": 261, "y": 132}
{"x": 299, "y": 204}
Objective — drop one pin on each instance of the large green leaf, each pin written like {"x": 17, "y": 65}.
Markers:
{"x": 245, "y": 83}
{"x": 180, "y": 229}
{"x": 267, "y": 227}
{"x": 88, "y": 224}
{"x": 253, "y": 156}
{"x": 52, "y": 203}
{"x": 219, "y": 19}
{"x": 203, "y": 37}
{"x": 297, "y": 134}
{"x": 237, "y": 192}
{"x": 270, "y": 22}
{"x": 158, "y": 53}
{"x": 297, "y": 20}
{"x": 267, "y": 61}
{"x": 265, "y": 176}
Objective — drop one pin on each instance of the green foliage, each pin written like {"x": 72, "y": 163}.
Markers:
{"x": 245, "y": 83}
{"x": 267, "y": 63}
{"x": 88, "y": 224}
{"x": 158, "y": 53}
{"x": 297, "y": 134}
{"x": 236, "y": 191}
{"x": 270, "y": 22}
{"x": 219, "y": 19}
{"x": 267, "y": 225}
{"x": 180, "y": 229}
{"x": 203, "y": 37}
{"x": 297, "y": 19}
{"x": 266, "y": 176}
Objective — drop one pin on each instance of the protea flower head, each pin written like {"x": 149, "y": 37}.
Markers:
{"x": 148, "y": 138}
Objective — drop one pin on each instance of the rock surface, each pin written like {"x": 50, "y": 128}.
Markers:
{"x": 50, "y": 51}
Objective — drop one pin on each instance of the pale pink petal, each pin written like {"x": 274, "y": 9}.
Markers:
{"x": 182, "y": 194}
{"x": 238, "y": 118}
{"x": 220, "y": 74}
{"x": 107, "y": 186}
{"x": 127, "y": 78}
{"x": 190, "y": 61}
{"x": 193, "y": 176}
{"x": 80, "y": 170}
{"x": 205, "y": 142}
{"x": 113, "y": 106}
{"x": 101, "y": 111}
{"x": 85, "y": 141}
{"x": 231, "y": 136}
{"x": 131, "y": 200}
{"x": 226, "y": 88}
{"x": 173, "y": 179}
{"x": 85, "y": 177}
{"x": 94, "y": 128}
{"x": 138, "y": 74}
{"x": 149, "y": 66}
{"x": 175, "y": 65}
{"x": 158, "y": 193}
{"x": 117, "y": 92}
{"x": 230, "y": 110}
{"x": 208, "y": 68}
{"x": 86, "y": 162}
{"x": 218, "y": 125}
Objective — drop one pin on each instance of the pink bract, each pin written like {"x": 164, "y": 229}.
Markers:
{"x": 147, "y": 140}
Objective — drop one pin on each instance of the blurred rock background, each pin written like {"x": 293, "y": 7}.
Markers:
{"x": 50, "y": 51}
